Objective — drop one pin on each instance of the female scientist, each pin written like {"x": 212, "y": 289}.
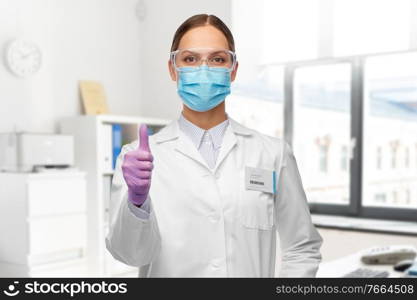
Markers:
{"x": 205, "y": 196}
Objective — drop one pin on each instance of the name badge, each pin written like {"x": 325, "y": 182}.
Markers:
{"x": 260, "y": 180}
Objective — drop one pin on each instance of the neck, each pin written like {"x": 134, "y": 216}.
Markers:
{"x": 206, "y": 119}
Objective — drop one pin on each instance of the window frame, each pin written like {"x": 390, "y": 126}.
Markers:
{"x": 355, "y": 207}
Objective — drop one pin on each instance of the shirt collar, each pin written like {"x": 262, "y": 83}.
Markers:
{"x": 196, "y": 133}
{"x": 171, "y": 131}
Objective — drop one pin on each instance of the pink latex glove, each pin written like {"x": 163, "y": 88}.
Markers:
{"x": 137, "y": 169}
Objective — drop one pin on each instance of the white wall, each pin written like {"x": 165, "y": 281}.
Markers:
{"x": 162, "y": 19}
{"x": 80, "y": 39}
{"x": 98, "y": 40}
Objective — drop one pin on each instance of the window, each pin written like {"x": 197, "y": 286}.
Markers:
{"x": 390, "y": 118}
{"x": 252, "y": 102}
{"x": 258, "y": 91}
{"x": 321, "y": 127}
{"x": 416, "y": 156}
{"x": 350, "y": 118}
{"x": 344, "y": 158}
{"x": 379, "y": 158}
{"x": 394, "y": 197}
{"x": 407, "y": 196}
{"x": 323, "y": 160}
{"x": 394, "y": 147}
{"x": 407, "y": 158}
{"x": 380, "y": 198}
{"x": 366, "y": 104}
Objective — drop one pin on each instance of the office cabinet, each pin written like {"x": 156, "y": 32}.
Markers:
{"x": 43, "y": 223}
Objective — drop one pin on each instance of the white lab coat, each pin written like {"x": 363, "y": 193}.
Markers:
{"x": 204, "y": 223}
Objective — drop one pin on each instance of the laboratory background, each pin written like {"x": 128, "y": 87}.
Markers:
{"x": 337, "y": 79}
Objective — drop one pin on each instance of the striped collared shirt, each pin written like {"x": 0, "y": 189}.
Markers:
{"x": 208, "y": 142}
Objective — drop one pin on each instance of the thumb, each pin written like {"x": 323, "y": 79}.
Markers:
{"x": 143, "y": 138}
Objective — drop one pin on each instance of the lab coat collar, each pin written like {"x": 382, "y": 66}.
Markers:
{"x": 185, "y": 146}
{"x": 239, "y": 128}
{"x": 172, "y": 131}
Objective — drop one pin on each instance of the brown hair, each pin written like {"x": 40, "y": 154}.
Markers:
{"x": 202, "y": 20}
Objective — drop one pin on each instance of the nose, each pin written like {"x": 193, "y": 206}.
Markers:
{"x": 204, "y": 62}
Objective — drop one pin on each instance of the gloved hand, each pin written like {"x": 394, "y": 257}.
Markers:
{"x": 137, "y": 169}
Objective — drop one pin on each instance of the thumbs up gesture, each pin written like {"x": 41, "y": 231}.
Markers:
{"x": 137, "y": 169}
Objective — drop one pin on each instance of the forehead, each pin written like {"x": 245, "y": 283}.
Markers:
{"x": 202, "y": 51}
{"x": 204, "y": 37}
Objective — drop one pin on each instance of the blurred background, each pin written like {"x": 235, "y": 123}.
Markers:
{"x": 337, "y": 79}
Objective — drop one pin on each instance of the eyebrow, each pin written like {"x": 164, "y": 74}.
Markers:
{"x": 191, "y": 52}
{"x": 218, "y": 51}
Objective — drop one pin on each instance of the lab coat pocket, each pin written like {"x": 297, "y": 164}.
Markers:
{"x": 256, "y": 209}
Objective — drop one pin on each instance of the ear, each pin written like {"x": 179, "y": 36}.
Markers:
{"x": 233, "y": 74}
{"x": 172, "y": 71}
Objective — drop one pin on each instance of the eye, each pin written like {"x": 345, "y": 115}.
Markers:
{"x": 190, "y": 59}
{"x": 218, "y": 60}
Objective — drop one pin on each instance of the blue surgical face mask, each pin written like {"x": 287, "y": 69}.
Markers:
{"x": 202, "y": 88}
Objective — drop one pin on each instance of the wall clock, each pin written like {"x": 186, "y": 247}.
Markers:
{"x": 23, "y": 57}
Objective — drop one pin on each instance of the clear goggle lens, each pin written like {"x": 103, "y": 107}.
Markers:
{"x": 192, "y": 59}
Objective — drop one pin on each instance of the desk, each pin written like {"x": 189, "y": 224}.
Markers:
{"x": 347, "y": 264}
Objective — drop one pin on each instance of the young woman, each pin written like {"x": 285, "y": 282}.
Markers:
{"x": 205, "y": 196}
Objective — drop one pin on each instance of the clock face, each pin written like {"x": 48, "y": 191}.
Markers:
{"x": 23, "y": 58}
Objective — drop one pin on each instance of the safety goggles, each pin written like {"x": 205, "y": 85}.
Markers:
{"x": 189, "y": 60}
